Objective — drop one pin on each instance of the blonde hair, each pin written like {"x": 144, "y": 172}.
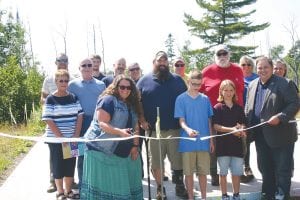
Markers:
{"x": 222, "y": 86}
{"x": 60, "y": 73}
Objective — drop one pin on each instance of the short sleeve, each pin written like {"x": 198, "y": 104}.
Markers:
{"x": 106, "y": 103}
{"x": 179, "y": 108}
{"x": 48, "y": 109}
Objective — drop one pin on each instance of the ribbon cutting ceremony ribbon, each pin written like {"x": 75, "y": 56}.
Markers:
{"x": 232, "y": 132}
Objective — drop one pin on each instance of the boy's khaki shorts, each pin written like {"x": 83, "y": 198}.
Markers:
{"x": 198, "y": 162}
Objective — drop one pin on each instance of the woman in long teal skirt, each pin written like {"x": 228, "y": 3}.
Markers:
{"x": 112, "y": 169}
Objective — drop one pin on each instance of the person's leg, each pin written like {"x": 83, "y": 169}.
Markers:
{"x": 236, "y": 168}
{"x": 224, "y": 163}
{"x": 175, "y": 159}
{"x": 189, "y": 165}
{"x": 283, "y": 161}
{"x": 80, "y": 160}
{"x": 202, "y": 185}
{"x": 189, "y": 182}
{"x": 266, "y": 166}
{"x": 52, "y": 186}
{"x": 214, "y": 170}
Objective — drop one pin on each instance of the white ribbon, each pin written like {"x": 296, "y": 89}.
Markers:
{"x": 245, "y": 129}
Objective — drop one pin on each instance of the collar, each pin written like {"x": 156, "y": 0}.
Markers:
{"x": 87, "y": 81}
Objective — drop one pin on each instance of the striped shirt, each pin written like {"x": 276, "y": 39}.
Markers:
{"x": 64, "y": 112}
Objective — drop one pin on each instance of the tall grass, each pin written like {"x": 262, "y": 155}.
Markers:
{"x": 10, "y": 148}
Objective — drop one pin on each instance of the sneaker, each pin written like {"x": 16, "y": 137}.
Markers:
{"x": 248, "y": 172}
{"x": 215, "y": 180}
{"x": 279, "y": 195}
{"x": 236, "y": 197}
{"x": 161, "y": 195}
{"x": 52, "y": 188}
{"x": 181, "y": 191}
{"x": 225, "y": 197}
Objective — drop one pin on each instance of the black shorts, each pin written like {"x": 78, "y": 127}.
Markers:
{"x": 61, "y": 167}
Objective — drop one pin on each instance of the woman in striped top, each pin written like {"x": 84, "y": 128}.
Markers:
{"x": 63, "y": 114}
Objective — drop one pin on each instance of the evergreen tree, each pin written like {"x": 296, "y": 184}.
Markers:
{"x": 224, "y": 22}
{"x": 170, "y": 46}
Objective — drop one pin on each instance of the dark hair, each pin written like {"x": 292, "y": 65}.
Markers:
{"x": 96, "y": 56}
{"x": 269, "y": 60}
{"x": 195, "y": 74}
{"x": 134, "y": 96}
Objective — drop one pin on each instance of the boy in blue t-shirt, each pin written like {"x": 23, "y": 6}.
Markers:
{"x": 194, "y": 111}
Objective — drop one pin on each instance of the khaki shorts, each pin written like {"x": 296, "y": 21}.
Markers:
{"x": 198, "y": 162}
{"x": 168, "y": 147}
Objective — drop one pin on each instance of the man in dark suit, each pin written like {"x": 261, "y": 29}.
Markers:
{"x": 274, "y": 100}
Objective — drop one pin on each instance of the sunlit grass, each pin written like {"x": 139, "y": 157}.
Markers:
{"x": 10, "y": 148}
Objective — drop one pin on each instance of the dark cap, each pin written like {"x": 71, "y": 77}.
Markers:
{"x": 161, "y": 54}
{"x": 62, "y": 58}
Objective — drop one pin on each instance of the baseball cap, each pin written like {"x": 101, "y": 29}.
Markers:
{"x": 161, "y": 54}
{"x": 222, "y": 47}
{"x": 62, "y": 58}
{"x": 133, "y": 66}
{"x": 178, "y": 59}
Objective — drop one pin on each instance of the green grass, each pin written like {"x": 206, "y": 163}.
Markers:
{"x": 10, "y": 149}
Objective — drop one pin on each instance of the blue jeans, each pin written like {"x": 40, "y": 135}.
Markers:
{"x": 275, "y": 165}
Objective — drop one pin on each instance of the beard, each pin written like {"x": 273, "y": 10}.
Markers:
{"x": 162, "y": 72}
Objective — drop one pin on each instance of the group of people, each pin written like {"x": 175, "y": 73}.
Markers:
{"x": 224, "y": 97}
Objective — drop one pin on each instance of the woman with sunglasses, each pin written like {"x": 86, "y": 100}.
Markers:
{"x": 63, "y": 114}
{"x": 110, "y": 167}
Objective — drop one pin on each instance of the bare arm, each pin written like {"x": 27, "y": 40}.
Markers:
{"x": 104, "y": 119}
{"x": 184, "y": 126}
{"x": 78, "y": 125}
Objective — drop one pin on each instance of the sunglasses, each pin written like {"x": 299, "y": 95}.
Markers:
{"x": 63, "y": 81}
{"x": 179, "y": 65}
{"x": 123, "y": 87}
{"x": 222, "y": 54}
{"x": 247, "y": 64}
{"x": 134, "y": 69}
{"x": 87, "y": 65}
{"x": 196, "y": 84}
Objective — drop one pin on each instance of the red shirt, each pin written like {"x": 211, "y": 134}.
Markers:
{"x": 213, "y": 75}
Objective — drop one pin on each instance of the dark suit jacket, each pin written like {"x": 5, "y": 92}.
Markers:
{"x": 282, "y": 100}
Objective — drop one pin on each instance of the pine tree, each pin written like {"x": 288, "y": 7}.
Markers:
{"x": 224, "y": 22}
{"x": 170, "y": 46}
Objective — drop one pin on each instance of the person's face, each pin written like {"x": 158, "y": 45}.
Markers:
{"x": 96, "y": 64}
{"x": 120, "y": 66}
{"x": 135, "y": 72}
{"x": 62, "y": 83}
{"x": 124, "y": 89}
{"x": 62, "y": 65}
{"x": 86, "y": 69}
{"x": 194, "y": 85}
{"x": 246, "y": 67}
{"x": 161, "y": 64}
{"x": 222, "y": 58}
{"x": 264, "y": 70}
{"x": 179, "y": 68}
{"x": 279, "y": 69}
{"x": 228, "y": 93}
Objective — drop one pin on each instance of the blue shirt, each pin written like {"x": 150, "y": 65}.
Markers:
{"x": 87, "y": 92}
{"x": 196, "y": 113}
{"x": 247, "y": 81}
{"x": 108, "y": 80}
{"x": 157, "y": 93}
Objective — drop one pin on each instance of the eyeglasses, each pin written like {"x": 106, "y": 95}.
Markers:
{"x": 62, "y": 61}
{"x": 87, "y": 65}
{"x": 179, "y": 65}
{"x": 63, "y": 81}
{"x": 123, "y": 87}
{"x": 247, "y": 64}
{"x": 222, "y": 54}
{"x": 134, "y": 69}
{"x": 196, "y": 84}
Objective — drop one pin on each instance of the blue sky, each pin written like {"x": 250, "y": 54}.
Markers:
{"x": 134, "y": 29}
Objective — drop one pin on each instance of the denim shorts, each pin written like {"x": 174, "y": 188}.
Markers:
{"x": 235, "y": 164}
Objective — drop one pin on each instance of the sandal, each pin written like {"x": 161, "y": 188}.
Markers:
{"x": 72, "y": 195}
{"x": 60, "y": 196}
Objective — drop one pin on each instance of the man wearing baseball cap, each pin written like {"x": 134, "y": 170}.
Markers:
{"x": 179, "y": 68}
{"x": 213, "y": 75}
{"x": 160, "y": 88}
